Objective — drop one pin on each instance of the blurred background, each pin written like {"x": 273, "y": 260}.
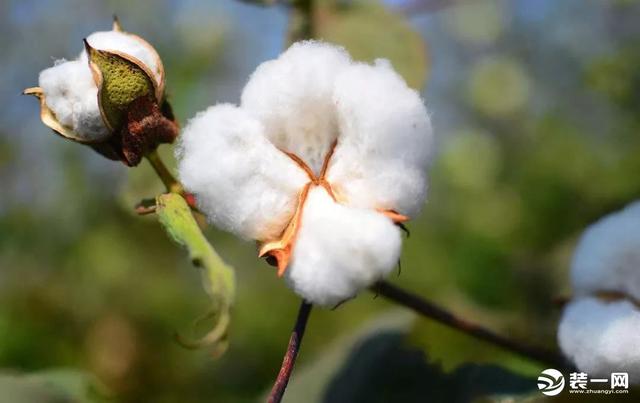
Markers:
{"x": 536, "y": 108}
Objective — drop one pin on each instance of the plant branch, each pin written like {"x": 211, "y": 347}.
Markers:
{"x": 291, "y": 354}
{"x": 172, "y": 184}
{"x": 439, "y": 314}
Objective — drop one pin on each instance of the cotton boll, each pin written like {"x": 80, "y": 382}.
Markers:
{"x": 385, "y": 140}
{"x": 292, "y": 96}
{"x": 128, "y": 44}
{"x": 608, "y": 255}
{"x": 72, "y": 95}
{"x": 601, "y": 337}
{"x": 241, "y": 181}
{"x": 340, "y": 250}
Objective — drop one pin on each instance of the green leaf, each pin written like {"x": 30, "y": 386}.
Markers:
{"x": 52, "y": 386}
{"x": 370, "y": 31}
{"x": 120, "y": 80}
{"x": 218, "y": 278}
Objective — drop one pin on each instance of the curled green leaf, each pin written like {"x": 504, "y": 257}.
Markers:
{"x": 218, "y": 278}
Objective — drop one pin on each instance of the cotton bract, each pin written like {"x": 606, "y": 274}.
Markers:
{"x": 599, "y": 329}
{"x": 321, "y": 159}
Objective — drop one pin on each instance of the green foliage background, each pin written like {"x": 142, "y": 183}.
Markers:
{"x": 536, "y": 111}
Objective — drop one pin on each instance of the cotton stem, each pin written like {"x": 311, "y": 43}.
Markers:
{"x": 171, "y": 183}
{"x": 277, "y": 392}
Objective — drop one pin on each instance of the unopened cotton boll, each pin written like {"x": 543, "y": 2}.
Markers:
{"x": 340, "y": 250}
{"x": 321, "y": 159}
{"x": 602, "y": 337}
{"x": 608, "y": 255}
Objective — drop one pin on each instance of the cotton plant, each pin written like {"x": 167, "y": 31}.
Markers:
{"x": 111, "y": 97}
{"x": 598, "y": 330}
{"x": 320, "y": 163}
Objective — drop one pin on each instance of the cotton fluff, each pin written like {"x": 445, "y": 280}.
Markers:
{"x": 601, "y": 338}
{"x": 340, "y": 249}
{"x": 71, "y": 93}
{"x": 247, "y": 165}
{"x": 608, "y": 255}
{"x": 381, "y": 159}
{"x": 242, "y": 182}
{"x": 292, "y": 96}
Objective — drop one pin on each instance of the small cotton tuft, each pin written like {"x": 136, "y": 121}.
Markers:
{"x": 601, "y": 338}
{"x": 608, "y": 255}
{"x": 340, "y": 250}
{"x": 72, "y": 95}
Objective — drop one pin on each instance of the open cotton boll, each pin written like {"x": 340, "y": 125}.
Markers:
{"x": 241, "y": 181}
{"x": 292, "y": 96}
{"x": 385, "y": 140}
{"x": 608, "y": 255}
{"x": 602, "y": 337}
{"x": 340, "y": 250}
{"x": 72, "y": 95}
{"x": 70, "y": 90}
{"x": 129, "y": 44}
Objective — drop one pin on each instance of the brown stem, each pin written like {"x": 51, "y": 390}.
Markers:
{"x": 292, "y": 353}
{"x": 433, "y": 311}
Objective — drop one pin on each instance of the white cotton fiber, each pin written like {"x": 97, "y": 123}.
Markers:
{"x": 292, "y": 96}
{"x": 128, "y": 44}
{"x": 602, "y": 337}
{"x": 340, "y": 250}
{"x": 234, "y": 160}
{"x": 385, "y": 140}
{"x": 241, "y": 181}
{"x": 72, "y": 95}
{"x": 608, "y": 255}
